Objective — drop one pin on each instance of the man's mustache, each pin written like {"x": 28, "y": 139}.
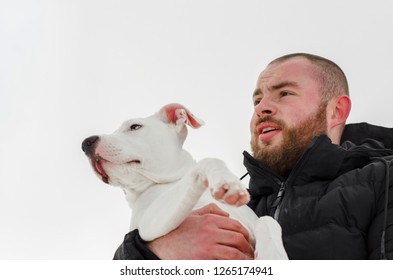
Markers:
{"x": 270, "y": 119}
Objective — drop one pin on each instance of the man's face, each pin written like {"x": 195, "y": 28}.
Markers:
{"x": 288, "y": 113}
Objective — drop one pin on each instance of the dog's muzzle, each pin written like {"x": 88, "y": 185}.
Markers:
{"x": 88, "y": 147}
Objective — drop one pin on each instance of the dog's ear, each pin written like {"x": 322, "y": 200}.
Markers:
{"x": 179, "y": 115}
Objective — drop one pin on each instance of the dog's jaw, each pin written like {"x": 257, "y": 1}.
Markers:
{"x": 99, "y": 170}
{"x": 98, "y": 164}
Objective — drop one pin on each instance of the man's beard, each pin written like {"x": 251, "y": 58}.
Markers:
{"x": 296, "y": 140}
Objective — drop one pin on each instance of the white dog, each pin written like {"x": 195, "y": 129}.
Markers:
{"x": 163, "y": 183}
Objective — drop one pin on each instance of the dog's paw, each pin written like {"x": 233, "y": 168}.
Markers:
{"x": 231, "y": 193}
{"x": 223, "y": 184}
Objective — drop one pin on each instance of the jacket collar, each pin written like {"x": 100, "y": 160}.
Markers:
{"x": 321, "y": 161}
{"x": 358, "y": 133}
{"x": 310, "y": 167}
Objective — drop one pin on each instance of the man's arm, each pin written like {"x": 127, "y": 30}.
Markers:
{"x": 134, "y": 248}
{"x": 208, "y": 233}
{"x": 380, "y": 233}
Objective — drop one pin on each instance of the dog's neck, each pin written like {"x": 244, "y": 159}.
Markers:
{"x": 144, "y": 179}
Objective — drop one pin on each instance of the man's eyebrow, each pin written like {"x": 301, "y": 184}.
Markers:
{"x": 257, "y": 92}
{"x": 278, "y": 86}
{"x": 284, "y": 84}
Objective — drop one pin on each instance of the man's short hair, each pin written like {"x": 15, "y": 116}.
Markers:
{"x": 331, "y": 77}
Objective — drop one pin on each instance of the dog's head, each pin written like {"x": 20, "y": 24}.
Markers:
{"x": 143, "y": 150}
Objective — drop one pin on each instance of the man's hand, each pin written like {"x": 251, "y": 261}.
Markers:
{"x": 208, "y": 233}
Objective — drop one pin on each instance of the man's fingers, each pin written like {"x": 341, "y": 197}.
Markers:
{"x": 231, "y": 253}
{"x": 234, "y": 226}
{"x": 210, "y": 209}
{"x": 229, "y": 235}
{"x": 236, "y": 241}
{"x": 222, "y": 222}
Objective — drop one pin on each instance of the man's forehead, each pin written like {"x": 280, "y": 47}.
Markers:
{"x": 289, "y": 71}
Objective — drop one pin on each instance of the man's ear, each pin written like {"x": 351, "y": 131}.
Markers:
{"x": 339, "y": 111}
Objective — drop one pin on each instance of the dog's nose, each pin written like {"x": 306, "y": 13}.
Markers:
{"x": 89, "y": 144}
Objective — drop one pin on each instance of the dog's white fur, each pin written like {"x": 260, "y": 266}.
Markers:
{"x": 163, "y": 183}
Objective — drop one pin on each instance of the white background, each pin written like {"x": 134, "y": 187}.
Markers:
{"x": 71, "y": 69}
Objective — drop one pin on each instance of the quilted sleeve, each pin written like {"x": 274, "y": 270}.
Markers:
{"x": 380, "y": 235}
{"x": 134, "y": 248}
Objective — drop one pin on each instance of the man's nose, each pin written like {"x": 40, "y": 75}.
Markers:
{"x": 265, "y": 107}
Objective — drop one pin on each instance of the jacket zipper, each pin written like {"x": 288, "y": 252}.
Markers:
{"x": 275, "y": 209}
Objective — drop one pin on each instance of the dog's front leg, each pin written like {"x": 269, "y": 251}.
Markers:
{"x": 163, "y": 207}
{"x": 223, "y": 184}
{"x": 167, "y": 209}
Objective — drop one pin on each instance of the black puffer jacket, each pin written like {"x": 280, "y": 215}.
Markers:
{"x": 335, "y": 204}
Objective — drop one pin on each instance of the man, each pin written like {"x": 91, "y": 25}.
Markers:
{"x": 332, "y": 201}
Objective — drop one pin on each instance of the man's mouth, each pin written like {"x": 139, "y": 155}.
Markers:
{"x": 267, "y": 131}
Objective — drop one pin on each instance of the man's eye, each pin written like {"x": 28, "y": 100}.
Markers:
{"x": 256, "y": 102}
{"x": 285, "y": 93}
{"x": 135, "y": 126}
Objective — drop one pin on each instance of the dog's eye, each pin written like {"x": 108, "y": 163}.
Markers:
{"x": 135, "y": 126}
